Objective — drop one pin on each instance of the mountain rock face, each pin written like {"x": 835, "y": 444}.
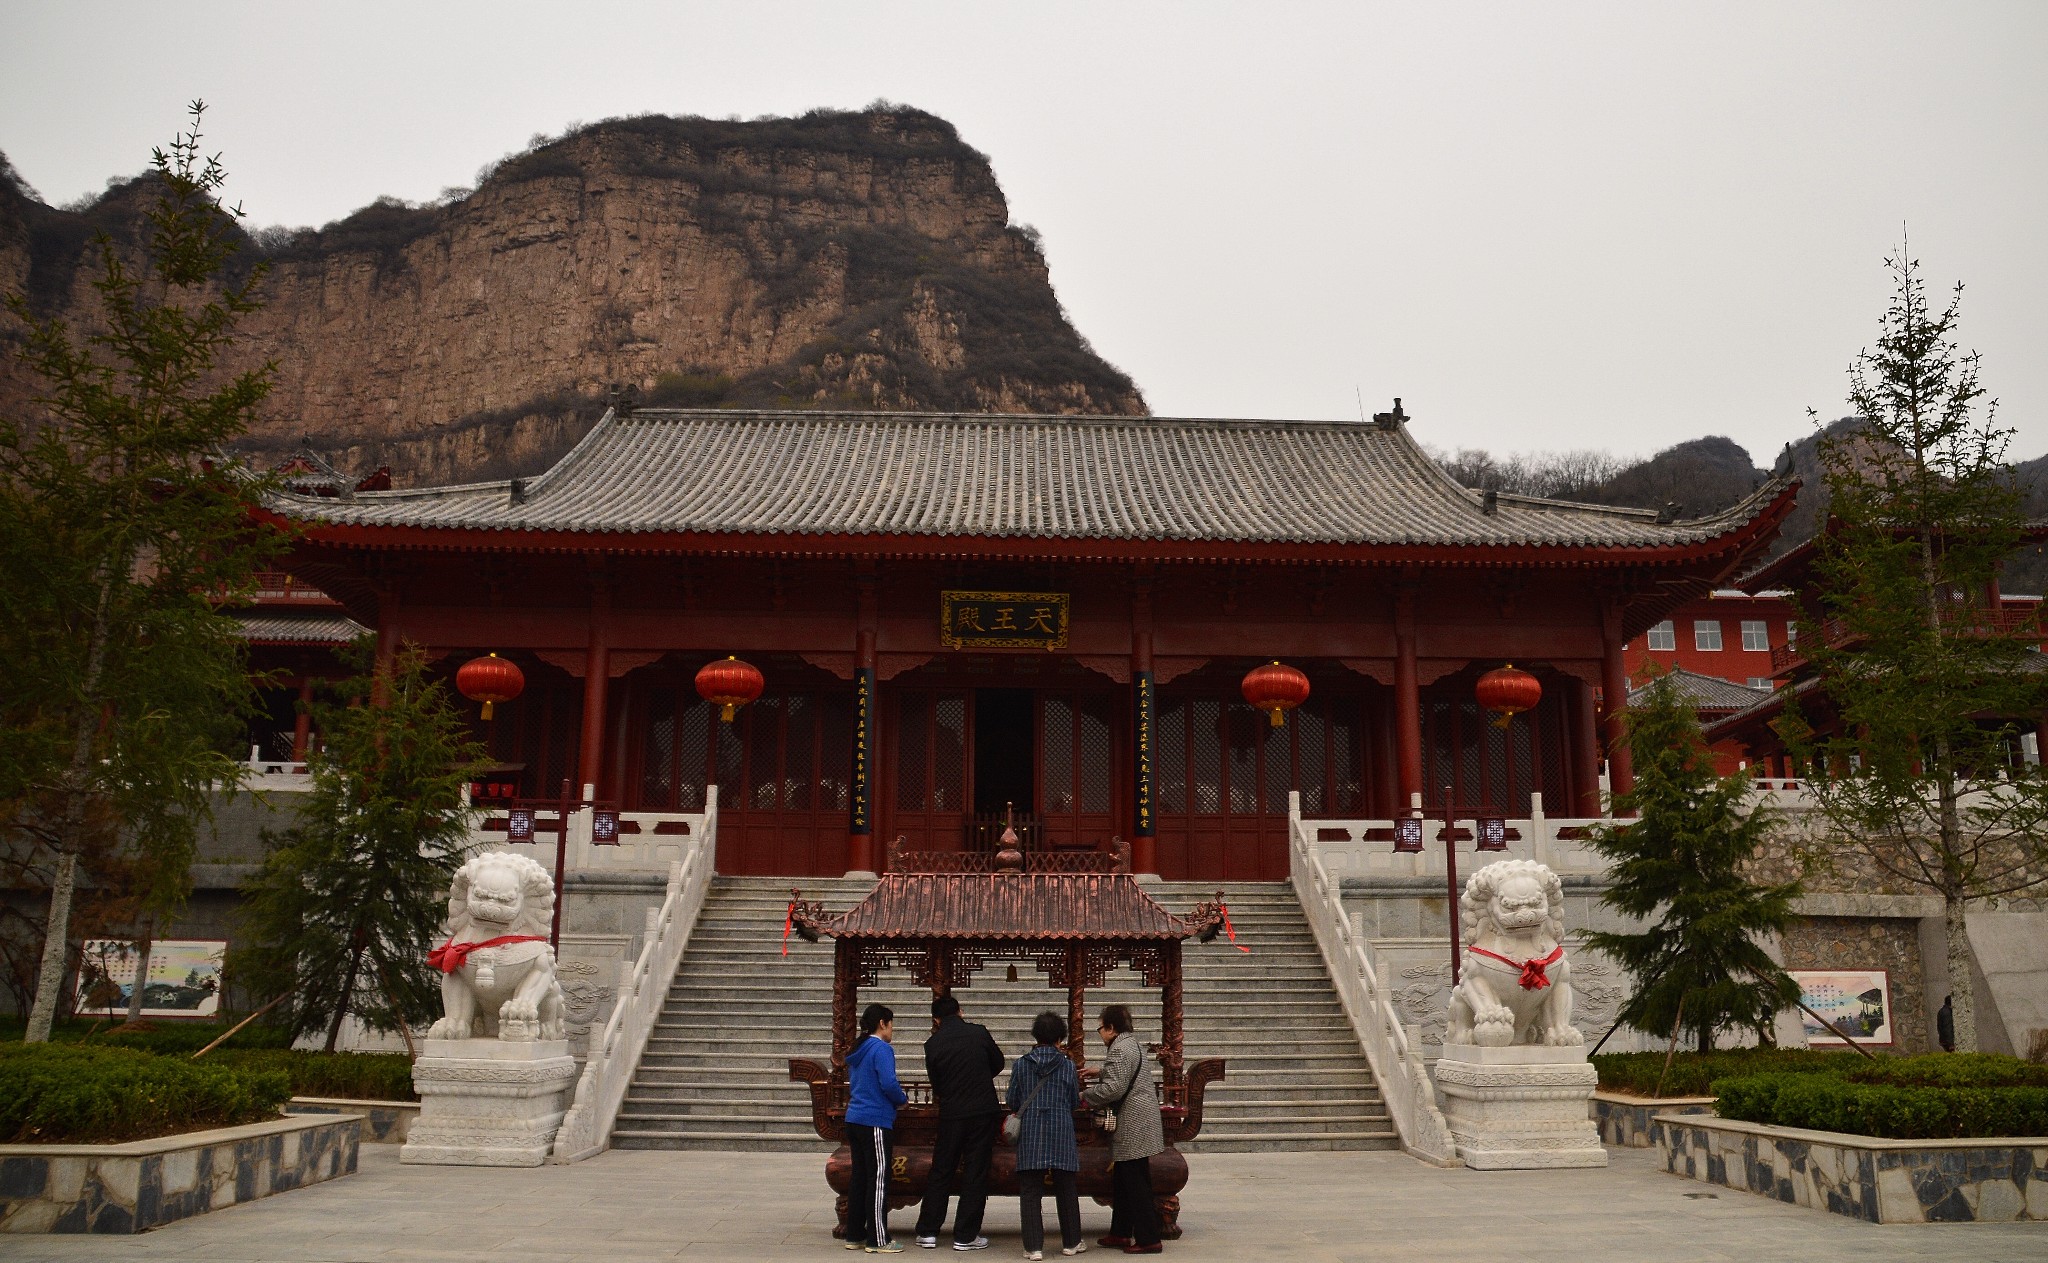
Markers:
{"x": 849, "y": 260}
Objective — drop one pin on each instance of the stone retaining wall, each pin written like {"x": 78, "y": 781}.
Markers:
{"x": 1881, "y": 1181}
{"x": 384, "y": 1122}
{"x": 145, "y": 1184}
{"x": 1624, "y": 1121}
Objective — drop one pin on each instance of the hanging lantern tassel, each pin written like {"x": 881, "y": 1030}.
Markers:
{"x": 1507, "y": 692}
{"x": 729, "y": 684}
{"x": 1275, "y": 689}
{"x": 490, "y": 680}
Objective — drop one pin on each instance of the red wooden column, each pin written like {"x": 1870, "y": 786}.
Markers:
{"x": 596, "y": 674}
{"x": 1407, "y": 696}
{"x": 1585, "y": 751}
{"x": 860, "y": 821}
{"x": 1614, "y": 700}
{"x": 302, "y": 726}
{"x": 1144, "y": 839}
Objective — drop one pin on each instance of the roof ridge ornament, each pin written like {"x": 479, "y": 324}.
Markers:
{"x": 1391, "y": 420}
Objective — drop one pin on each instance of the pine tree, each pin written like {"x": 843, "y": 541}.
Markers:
{"x": 124, "y": 535}
{"x": 1680, "y": 866}
{"x": 345, "y": 908}
{"x": 1929, "y": 679}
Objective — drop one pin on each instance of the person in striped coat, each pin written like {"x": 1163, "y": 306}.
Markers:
{"x": 1044, "y": 1093}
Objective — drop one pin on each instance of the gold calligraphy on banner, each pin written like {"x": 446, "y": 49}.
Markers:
{"x": 1003, "y": 620}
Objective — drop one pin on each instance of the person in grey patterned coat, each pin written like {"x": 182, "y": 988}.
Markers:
{"x": 1044, "y": 1093}
{"x": 1125, "y": 1083}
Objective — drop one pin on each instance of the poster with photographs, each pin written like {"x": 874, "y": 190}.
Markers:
{"x": 184, "y": 978}
{"x": 1857, "y": 1001}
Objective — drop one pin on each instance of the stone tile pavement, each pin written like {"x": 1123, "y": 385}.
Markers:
{"x": 1333, "y": 1208}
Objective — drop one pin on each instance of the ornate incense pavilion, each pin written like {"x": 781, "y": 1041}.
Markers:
{"x": 950, "y": 613}
{"x": 1075, "y": 917}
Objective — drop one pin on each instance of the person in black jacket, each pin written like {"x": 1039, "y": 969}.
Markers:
{"x": 962, "y": 1062}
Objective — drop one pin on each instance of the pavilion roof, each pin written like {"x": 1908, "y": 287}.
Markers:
{"x": 1709, "y": 694}
{"x": 325, "y": 628}
{"x": 1010, "y": 907}
{"x": 811, "y": 474}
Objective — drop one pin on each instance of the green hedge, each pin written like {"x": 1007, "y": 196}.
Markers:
{"x": 1824, "y": 1102}
{"x": 59, "y": 1094}
{"x": 164, "y": 1037}
{"x": 1952, "y": 1070}
{"x": 361, "y": 1076}
{"x": 1692, "y": 1074}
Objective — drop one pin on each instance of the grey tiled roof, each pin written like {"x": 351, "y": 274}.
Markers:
{"x": 1036, "y": 477}
{"x": 1708, "y": 692}
{"x": 325, "y": 629}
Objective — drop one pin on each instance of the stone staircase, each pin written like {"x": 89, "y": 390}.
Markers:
{"x": 715, "y": 1073}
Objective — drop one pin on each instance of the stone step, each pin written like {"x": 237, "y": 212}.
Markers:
{"x": 715, "y": 1073}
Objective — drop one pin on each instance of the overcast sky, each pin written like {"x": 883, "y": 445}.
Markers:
{"x": 1543, "y": 225}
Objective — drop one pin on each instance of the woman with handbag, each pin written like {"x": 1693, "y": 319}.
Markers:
{"x": 1125, "y": 1085}
{"x": 1044, "y": 1093}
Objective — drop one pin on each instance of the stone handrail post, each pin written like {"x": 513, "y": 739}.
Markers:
{"x": 643, "y": 987}
{"x": 1396, "y": 1061}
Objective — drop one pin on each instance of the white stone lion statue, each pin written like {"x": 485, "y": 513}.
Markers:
{"x": 1515, "y": 984}
{"x": 497, "y": 970}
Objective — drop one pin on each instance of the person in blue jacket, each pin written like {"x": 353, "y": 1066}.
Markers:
{"x": 873, "y": 1098}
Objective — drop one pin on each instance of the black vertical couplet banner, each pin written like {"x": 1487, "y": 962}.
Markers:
{"x": 1141, "y": 754}
{"x": 860, "y": 819}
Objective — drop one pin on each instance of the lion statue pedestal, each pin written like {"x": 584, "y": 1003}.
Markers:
{"x": 1514, "y": 1076}
{"x": 495, "y": 1072}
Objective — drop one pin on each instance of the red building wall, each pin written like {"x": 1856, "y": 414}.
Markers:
{"x": 1721, "y": 621}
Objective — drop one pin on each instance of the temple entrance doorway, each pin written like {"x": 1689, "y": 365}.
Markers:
{"x": 1005, "y": 762}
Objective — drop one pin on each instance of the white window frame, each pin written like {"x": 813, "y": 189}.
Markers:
{"x": 1756, "y": 636}
{"x": 1662, "y": 638}
{"x": 1702, "y": 630}
{"x": 1762, "y": 682}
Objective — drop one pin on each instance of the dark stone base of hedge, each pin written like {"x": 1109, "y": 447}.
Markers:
{"x": 1624, "y": 1121}
{"x": 146, "y": 1184}
{"x": 1880, "y": 1181}
{"x": 384, "y": 1122}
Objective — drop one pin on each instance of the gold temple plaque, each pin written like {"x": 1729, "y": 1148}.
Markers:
{"x": 1003, "y": 620}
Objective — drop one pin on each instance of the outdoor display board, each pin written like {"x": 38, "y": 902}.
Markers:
{"x": 184, "y": 978}
{"x": 1858, "y": 1001}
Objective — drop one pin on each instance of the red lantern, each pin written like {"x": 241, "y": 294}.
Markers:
{"x": 490, "y": 680}
{"x": 1508, "y": 692}
{"x": 729, "y": 684}
{"x": 1275, "y": 689}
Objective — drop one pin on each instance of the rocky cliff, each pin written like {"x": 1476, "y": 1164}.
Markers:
{"x": 838, "y": 259}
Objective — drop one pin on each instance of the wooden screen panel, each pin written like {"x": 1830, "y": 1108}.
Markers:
{"x": 1222, "y": 773}
{"x": 782, "y": 770}
{"x": 1077, "y": 767}
{"x": 927, "y": 796}
{"x": 1493, "y": 771}
{"x": 542, "y": 729}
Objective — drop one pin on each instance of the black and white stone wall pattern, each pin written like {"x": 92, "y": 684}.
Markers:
{"x": 1879, "y": 1181}
{"x": 146, "y": 1184}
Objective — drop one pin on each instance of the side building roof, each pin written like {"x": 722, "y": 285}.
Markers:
{"x": 1710, "y": 695}
{"x": 819, "y": 475}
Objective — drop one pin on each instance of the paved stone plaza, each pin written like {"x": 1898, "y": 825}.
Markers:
{"x": 627, "y": 1207}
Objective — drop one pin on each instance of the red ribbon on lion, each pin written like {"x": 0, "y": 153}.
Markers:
{"x": 1533, "y": 976}
{"x": 451, "y": 955}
